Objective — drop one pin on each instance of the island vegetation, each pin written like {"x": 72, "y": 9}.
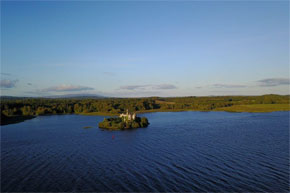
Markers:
{"x": 117, "y": 123}
{"x": 22, "y": 108}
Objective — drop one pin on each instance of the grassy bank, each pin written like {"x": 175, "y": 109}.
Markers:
{"x": 98, "y": 113}
{"x": 138, "y": 112}
{"x": 164, "y": 110}
{"x": 256, "y": 108}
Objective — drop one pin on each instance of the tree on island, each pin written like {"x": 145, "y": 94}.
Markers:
{"x": 124, "y": 121}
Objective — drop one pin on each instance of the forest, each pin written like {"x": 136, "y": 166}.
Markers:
{"x": 112, "y": 106}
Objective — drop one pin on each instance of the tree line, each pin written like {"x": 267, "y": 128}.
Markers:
{"x": 46, "y": 106}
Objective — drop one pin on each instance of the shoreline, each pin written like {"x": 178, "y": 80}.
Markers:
{"x": 15, "y": 119}
{"x": 258, "y": 108}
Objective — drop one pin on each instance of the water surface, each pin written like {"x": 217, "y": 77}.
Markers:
{"x": 179, "y": 151}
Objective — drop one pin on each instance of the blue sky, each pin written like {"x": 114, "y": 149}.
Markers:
{"x": 130, "y": 49}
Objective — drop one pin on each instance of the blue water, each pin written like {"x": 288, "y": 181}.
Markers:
{"x": 178, "y": 152}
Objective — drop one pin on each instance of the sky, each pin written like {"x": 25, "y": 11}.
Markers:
{"x": 144, "y": 48}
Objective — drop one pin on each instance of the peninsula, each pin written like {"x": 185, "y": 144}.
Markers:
{"x": 124, "y": 122}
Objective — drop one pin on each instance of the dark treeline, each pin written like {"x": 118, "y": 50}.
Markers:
{"x": 44, "y": 106}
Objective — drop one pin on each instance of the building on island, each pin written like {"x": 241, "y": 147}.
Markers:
{"x": 128, "y": 116}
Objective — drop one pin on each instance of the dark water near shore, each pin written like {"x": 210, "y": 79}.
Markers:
{"x": 179, "y": 151}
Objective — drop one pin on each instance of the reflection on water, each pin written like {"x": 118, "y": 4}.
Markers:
{"x": 180, "y": 151}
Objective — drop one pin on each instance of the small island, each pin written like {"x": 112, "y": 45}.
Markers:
{"x": 124, "y": 122}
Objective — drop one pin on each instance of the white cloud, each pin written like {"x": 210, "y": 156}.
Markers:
{"x": 274, "y": 82}
{"x": 66, "y": 88}
{"x": 148, "y": 87}
{"x": 4, "y": 83}
{"x": 229, "y": 86}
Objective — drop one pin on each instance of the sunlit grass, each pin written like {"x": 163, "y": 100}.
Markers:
{"x": 99, "y": 113}
{"x": 256, "y": 108}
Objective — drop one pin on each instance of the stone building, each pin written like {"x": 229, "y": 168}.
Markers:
{"x": 128, "y": 116}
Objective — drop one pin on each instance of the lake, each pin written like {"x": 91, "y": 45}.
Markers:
{"x": 178, "y": 152}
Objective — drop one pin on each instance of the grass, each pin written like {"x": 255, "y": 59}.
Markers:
{"x": 99, "y": 113}
{"x": 165, "y": 110}
{"x": 256, "y": 108}
{"x": 143, "y": 111}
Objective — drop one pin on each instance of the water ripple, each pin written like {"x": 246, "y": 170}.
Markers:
{"x": 201, "y": 152}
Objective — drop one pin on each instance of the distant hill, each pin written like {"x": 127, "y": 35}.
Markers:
{"x": 75, "y": 96}
{"x": 13, "y": 97}
{"x": 79, "y": 96}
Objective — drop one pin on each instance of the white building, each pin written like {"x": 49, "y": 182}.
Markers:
{"x": 128, "y": 116}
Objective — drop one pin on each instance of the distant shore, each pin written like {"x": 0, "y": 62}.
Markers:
{"x": 256, "y": 108}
